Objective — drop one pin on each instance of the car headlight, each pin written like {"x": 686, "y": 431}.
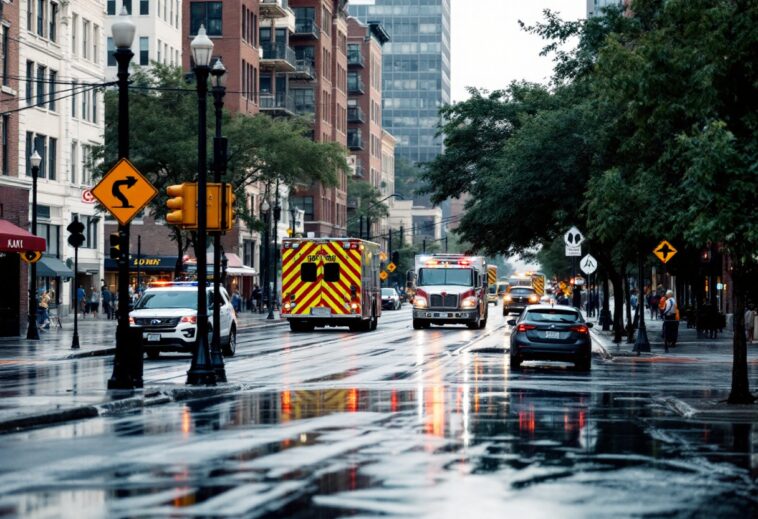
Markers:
{"x": 534, "y": 299}
{"x": 469, "y": 302}
{"x": 419, "y": 302}
{"x": 507, "y": 298}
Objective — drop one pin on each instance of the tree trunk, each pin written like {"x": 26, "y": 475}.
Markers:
{"x": 618, "y": 306}
{"x": 606, "y": 309}
{"x": 628, "y": 302}
{"x": 740, "y": 393}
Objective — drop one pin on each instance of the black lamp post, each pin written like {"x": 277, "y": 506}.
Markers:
{"x": 123, "y": 377}
{"x": 32, "y": 332}
{"x": 218, "y": 80}
{"x": 265, "y": 208}
{"x": 201, "y": 371}
{"x": 275, "y": 270}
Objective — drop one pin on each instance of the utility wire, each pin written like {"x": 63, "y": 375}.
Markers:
{"x": 43, "y": 103}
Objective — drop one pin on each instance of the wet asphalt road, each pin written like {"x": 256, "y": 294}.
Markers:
{"x": 394, "y": 423}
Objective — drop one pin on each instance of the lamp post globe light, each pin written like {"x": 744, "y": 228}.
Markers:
{"x": 32, "y": 332}
{"x": 201, "y": 371}
{"x": 265, "y": 211}
{"x": 218, "y": 80}
{"x": 126, "y": 374}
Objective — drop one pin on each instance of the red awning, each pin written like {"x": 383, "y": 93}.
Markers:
{"x": 16, "y": 239}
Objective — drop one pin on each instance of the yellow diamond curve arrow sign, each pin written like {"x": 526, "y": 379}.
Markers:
{"x": 391, "y": 267}
{"x": 124, "y": 191}
{"x": 383, "y": 276}
{"x": 664, "y": 251}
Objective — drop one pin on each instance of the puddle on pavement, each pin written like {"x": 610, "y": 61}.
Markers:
{"x": 489, "y": 443}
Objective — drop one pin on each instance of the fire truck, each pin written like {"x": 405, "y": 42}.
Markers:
{"x": 450, "y": 289}
{"x": 330, "y": 282}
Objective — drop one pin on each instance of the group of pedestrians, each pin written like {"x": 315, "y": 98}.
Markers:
{"x": 93, "y": 301}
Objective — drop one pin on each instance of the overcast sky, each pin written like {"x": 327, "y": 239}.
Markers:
{"x": 489, "y": 50}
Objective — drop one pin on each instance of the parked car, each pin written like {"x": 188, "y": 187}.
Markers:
{"x": 391, "y": 299}
{"x": 551, "y": 332}
{"x": 167, "y": 315}
{"x": 517, "y": 298}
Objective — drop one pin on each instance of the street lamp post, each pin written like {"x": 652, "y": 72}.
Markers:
{"x": 218, "y": 80}
{"x": 201, "y": 371}
{"x": 123, "y": 377}
{"x": 265, "y": 208}
{"x": 275, "y": 271}
{"x": 32, "y": 332}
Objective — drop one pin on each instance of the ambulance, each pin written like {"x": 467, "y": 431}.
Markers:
{"x": 450, "y": 289}
{"x": 331, "y": 282}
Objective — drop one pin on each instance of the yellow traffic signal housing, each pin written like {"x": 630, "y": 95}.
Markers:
{"x": 183, "y": 201}
{"x": 229, "y": 208}
{"x": 218, "y": 207}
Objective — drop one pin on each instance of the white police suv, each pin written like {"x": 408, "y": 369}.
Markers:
{"x": 167, "y": 315}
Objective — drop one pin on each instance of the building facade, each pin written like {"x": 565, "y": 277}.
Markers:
{"x": 416, "y": 70}
{"x": 595, "y": 7}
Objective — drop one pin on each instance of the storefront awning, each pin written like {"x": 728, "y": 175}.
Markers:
{"x": 86, "y": 267}
{"x": 16, "y": 239}
{"x": 48, "y": 267}
{"x": 234, "y": 266}
{"x": 241, "y": 271}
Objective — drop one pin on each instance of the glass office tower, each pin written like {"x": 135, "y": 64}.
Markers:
{"x": 415, "y": 72}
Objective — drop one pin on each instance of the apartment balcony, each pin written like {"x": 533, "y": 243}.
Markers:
{"x": 306, "y": 28}
{"x": 355, "y": 59}
{"x": 355, "y": 115}
{"x": 355, "y": 85}
{"x": 273, "y": 9}
{"x": 277, "y": 56}
{"x": 280, "y": 104}
{"x": 304, "y": 70}
{"x": 358, "y": 172}
{"x": 304, "y": 109}
{"x": 354, "y": 140}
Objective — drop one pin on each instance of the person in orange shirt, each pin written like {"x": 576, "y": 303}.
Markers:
{"x": 662, "y": 305}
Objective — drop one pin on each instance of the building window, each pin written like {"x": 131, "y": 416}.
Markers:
{"x": 29, "y": 81}
{"x": 94, "y": 106}
{"x": 85, "y": 38}
{"x": 41, "y": 18}
{"x": 53, "y": 21}
{"x": 28, "y": 152}
{"x": 144, "y": 50}
{"x": 85, "y": 105}
{"x": 144, "y": 7}
{"x": 52, "y": 153}
{"x": 159, "y": 53}
{"x": 305, "y": 203}
{"x": 207, "y": 14}
{"x": 74, "y": 161}
{"x": 111, "y": 7}
{"x": 95, "y": 44}
{"x": 41, "y": 147}
{"x": 111, "y": 52}
{"x": 51, "y": 99}
{"x": 74, "y": 28}
{"x": 74, "y": 88}
{"x": 326, "y": 21}
{"x": 5, "y": 55}
{"x": 6, "y": 148}
{"x": 128, "y": 5}
{"x": 41, "y": 85}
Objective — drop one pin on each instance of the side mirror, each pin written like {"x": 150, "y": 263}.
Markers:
{"x": 511, "y": 322}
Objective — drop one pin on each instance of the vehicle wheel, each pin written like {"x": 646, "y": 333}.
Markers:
{"x": 153, "y": 354}
{"x": 295, "y": 327}
{"x": 483, "y": 322}
{"x": 583, "y": 363}
{"x": 230, "y": 348}
{"x": 418, "y": 324}
{"x": 505, "y": 312}
{"x": 374, "y": 322}
{"x": 515, "y": 363}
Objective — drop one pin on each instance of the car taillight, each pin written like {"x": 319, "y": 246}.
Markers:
{"x": 131, "y": 321}
{"x": 580, "y": 328}
{"x": 192, "y": 319}
{"x": 524, "y": 327}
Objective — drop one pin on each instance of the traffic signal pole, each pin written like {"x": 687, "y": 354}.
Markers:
{"x": 122, "y": 377}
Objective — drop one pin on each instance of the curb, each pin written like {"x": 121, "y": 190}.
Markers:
{"x": 149, "y": 397}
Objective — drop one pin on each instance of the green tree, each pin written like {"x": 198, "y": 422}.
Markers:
{"x": 368, "y": 205}
{"x": 163, "y": 143}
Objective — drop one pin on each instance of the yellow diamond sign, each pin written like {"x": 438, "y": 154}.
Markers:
{"x": 664, "y": 251}
{"x": 124, "y": 191}
{"x": 383, "y": 276}
{"x": 391, "y": 267}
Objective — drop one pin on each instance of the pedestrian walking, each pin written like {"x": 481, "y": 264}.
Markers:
{"x": 81, "y": 298}
{"x": 236, "y": 301}
{"x": 256, "y": 297}
{"x": 43, "y": 318}
{"x": 662, "y": 304}
{"x": 105, "y": 297}
{"x": 670, "y": 321}
{"x": 750, "y": 324}
{"x": 94, "y": 301}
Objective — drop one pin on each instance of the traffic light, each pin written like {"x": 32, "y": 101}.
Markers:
{"x": 228, "y": 208}
{"x": 183, "y": 201}
{"x": 115, "y": 241}
{"x": 76, "y": 228}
